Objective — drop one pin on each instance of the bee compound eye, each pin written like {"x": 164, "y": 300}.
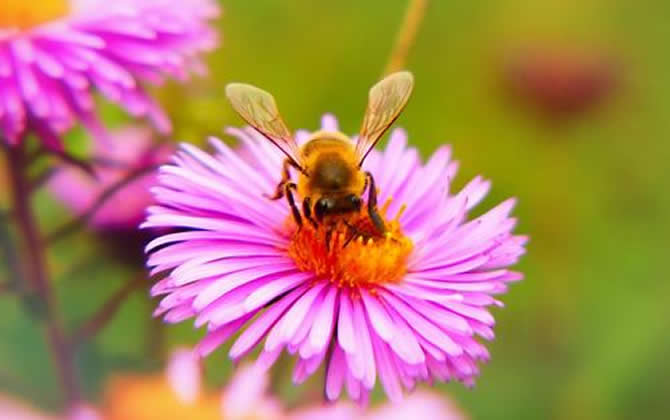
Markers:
{"x": 322, "y": 206}
{"x": 355, "y": 201}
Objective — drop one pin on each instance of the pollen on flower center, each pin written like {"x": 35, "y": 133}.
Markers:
{"x": 23, "y": 14}
{"x": 353, "y": 254}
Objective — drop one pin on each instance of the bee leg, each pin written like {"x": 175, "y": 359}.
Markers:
{"x": 365, "y": 184}
{"x": 372, "y": 205}
{"x": 307, "y": 211}
{"x": 354, "y": 232}
{"x": 285, "y": 178}
{"x": 329, "y": 235}
{"x": 291, "y": 201}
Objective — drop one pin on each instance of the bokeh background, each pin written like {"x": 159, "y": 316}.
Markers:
{"x": 585, "y": 335}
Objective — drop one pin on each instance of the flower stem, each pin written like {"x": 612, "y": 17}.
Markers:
{"x": 14, "y": 281}
{"x": 406, "y": 36}
{"x": 105, "y": 314}
{"x": 35, "y": 271}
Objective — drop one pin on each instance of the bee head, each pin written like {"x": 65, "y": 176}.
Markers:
{"x": 323, "y": 206}
{"x": 335, "y": 205}
{"x": 353, "y": 202}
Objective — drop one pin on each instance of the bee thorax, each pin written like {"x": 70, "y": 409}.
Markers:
{"x": 331, "y": 173}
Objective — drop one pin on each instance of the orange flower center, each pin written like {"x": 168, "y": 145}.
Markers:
{"x": 23, "y": 14}
{"x": 354, "y": 254}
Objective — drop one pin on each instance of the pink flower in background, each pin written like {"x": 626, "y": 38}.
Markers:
{"x": 404, "y": 308}
{"x": 13, "y": 409}
{"x": 55, "y": 53}
{"x": 130, "y": 150}
{"x": 83, "y": 412}
{"x": 420, "y": 405}
{"x": 246, "y": 396}
{"x": 561, "y": 82}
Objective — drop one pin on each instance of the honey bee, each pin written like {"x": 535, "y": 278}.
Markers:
{"x": 330, "y": 180}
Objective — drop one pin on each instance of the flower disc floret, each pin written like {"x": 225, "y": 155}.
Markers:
{"x": 350, "y": 253}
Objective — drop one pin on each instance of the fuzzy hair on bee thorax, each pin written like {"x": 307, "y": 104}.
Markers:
{"x": 331, "y": 165}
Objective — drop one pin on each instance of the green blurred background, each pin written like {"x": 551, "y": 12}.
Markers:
{"x": 585, "y": 335}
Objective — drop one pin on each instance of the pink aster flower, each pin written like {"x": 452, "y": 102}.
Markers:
{"x": 55, "y": 53}
{"x": 404, "y": 308}
{"x": 129, "y": 150}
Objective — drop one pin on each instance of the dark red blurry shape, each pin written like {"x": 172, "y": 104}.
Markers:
{"x": 561, "y": 83}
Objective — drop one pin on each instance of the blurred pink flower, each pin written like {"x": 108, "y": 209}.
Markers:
{"x": 54, "y": 53}
{"x": 84, "y": 412}
{"x": 184, "y": 375}
{"x": 420, "y": 405}
{"x": 406, "y": 307}
{"x": 13, "y": 409}
{"x": 246, "y": 396}
{"x": 560, "y": 82}
{"x": 128, "y": 150}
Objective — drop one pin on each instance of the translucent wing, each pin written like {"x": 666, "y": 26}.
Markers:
{"x": 259, "y": 109}
{"x": 386, "y": 102}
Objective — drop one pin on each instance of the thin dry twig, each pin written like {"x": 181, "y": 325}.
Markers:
{"x": 79, "y": 222}
{"x": 106, "y": 313}
{"x": 416, "y": 10}
{"x": 40, "y": 179}
{"x": 80, "y": 163}
{"x": 104, "y": 162}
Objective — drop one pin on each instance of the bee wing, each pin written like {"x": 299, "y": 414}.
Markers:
{"x": 259, "y": 109}
{"x": 386, "y": 101}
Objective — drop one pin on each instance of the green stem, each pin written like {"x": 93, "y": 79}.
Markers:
{"x": 105, "y": 314}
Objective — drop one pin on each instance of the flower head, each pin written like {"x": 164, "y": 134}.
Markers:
{"x": 54, "y": 53}
{"x": 404, "y": 307}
